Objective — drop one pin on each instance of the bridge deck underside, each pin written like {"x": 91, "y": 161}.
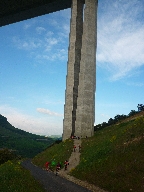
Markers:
{"x": 12, "y": 11}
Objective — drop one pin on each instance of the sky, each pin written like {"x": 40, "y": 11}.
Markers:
{"x": 33, "y": 66}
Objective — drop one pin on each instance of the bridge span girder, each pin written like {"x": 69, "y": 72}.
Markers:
{"x": 12, "y": 11}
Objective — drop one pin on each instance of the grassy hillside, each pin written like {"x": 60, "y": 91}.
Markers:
{"x": 23, "y": 143}
{"x": 112, "y": 159}
{"x": 15, "y": 178}
{"x": 57, "y": 153}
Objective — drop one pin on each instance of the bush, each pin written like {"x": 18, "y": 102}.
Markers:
{"x": 6, "y": 154}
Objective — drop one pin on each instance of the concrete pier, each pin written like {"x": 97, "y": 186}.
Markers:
{"x": 79, "y": 109}
{"x": 73, "y": 68}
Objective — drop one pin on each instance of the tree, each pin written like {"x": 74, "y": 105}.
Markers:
{"x": 104, "y": 124}
{"x": 133, "y": 112}
{"x": 111, "y": 121}
{"x": 5, "y": 155}
{"x": 117, "y": 118}
{"x": 97, "y": 127}
{"x": 140, "y": 107}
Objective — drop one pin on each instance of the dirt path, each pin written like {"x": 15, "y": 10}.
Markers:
{"x": 73, "y": 162}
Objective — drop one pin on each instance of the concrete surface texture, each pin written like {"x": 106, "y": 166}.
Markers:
{"x": 79, "y": 109}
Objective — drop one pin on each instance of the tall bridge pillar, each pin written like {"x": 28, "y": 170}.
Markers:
{"x": 79, "y": 109}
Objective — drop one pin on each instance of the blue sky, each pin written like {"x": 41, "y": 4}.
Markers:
{"x": 33, "y": 66}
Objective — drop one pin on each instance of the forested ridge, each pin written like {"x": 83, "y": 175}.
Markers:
{"x": 21, "y": 142}
{"x": 120, "y": 118}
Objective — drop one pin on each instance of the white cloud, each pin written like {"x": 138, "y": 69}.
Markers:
{"x": 120, "y": 38}
{"x": 49, "y": 33}
{"x": 49, "y": 43}
{"x": 42, "y": 126}
{"x": 26, "y": 26}
{"x": 120, "y": 44}
{"x": 27, "y": 44}
{"x": 66, "y": 28}
{"x": 52, "y": 41}
{"x": 48, "y": 112}
{"x": 40, "y": 29}
{"x": 53, "y": 22}
{"x": 58, "y": 54}
{"x": 51, "y": 47}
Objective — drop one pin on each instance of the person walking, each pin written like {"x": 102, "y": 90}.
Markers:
{"x": 74, "y": 148}
{"x": 58, "y": 167}
{"x": 79, "y": 148}
{"x": 66, "y": 163}
{"x": 47, "y": 166}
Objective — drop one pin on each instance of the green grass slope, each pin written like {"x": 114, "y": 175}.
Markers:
{"x": 23, "y": 143}
{"x": 112, "y": 159}
{"x": 13, "y": 177}
{"x": 54, "y": 154}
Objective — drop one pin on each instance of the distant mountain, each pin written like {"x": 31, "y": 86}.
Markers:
{"x": 23, "y": 143}
{"x": 55, "y": 136}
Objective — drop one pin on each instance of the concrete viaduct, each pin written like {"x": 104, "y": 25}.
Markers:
{"x": 79, "y": 108}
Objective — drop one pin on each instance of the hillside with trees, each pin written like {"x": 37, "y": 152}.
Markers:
{"x": 22, "y": 143}
{"x": 112, "y": 159}
{"x": 121, "y": 118}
